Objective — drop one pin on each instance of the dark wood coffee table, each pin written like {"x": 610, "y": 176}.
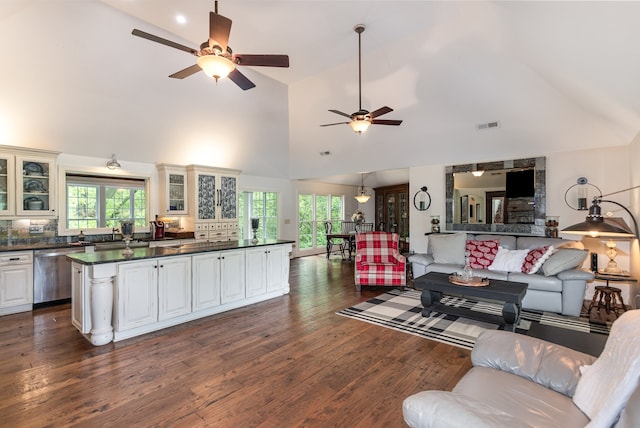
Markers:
{"x": 434, "y": 285}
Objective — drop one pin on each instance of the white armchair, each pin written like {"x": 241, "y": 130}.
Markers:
{"x": 520, "y": 381}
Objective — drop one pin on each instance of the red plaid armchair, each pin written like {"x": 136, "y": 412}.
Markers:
{"x": 378, "y": 261}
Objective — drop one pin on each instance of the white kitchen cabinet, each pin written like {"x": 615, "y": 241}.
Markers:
{"x": 232, "y": 276}
{"x": 277, "y": 267}
{"x": 153, "y": 290}
{"x": 218, "y": 278}
{"x": 256, "y": 271}
{"x": 27, "y": 182}
{"x": 16, "y": 282}
{"x": 214, "y": 195}
{"x": 137, "y": 294}
{"x": 35, "y": 186}
{"x": 266, "y": 269}
{"x": 174, "y": 287}
{"x": 205, "y": 281}
{"x": 80, "y": 299}
{"x": 7, "y": 185}
{"x": 173, "y": 189}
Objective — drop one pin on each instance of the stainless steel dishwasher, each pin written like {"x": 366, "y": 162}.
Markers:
{"x": 52, "y": 274}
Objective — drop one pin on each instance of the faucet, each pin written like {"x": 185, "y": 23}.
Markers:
{"x": 113, "y": 233}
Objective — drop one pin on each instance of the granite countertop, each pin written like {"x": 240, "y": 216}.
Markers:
{"x": 115, "y": 256}
{"x": 76, "y": 244}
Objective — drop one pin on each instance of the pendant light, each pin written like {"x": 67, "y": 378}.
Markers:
{"x": 113, "y": 163}
{"x": 361, "y": 197}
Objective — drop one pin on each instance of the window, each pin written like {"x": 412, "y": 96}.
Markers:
{"x": 262, "y": 205}
{"x": 102, "y": 202}
{"x": 313, "y": 211}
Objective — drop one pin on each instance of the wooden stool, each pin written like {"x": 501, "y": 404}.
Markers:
{"x": 607, "y": 298}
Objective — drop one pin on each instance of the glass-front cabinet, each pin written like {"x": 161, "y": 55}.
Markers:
{"x": 173, "y": 192}
{"x": 392, "y": 209}
{"x": 213, "y": 193}
{"x": 7, "y": 184}
{"x": 35, "y": 186}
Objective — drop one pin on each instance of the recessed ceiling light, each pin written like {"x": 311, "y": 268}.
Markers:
{"x": 181, "y": 19}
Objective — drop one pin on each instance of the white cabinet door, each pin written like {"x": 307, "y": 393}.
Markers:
{"x": 7, "y": 185}
{"x": 174, "y": 287}
{"x": 35, "y": 186}
{"x": 256, "y": 271}
{"x": 137, "y": 294}
{"x": 173, "y": 189}
{"x": 277, "y": 267}
{"x": 206, "y": 278}
{"x": 228, "y": 197}
{"x": 80, "y": 299}
{"x": 214, "y": 195}
{"x": 16, "y": 285}
{"x": 232, "y": 276}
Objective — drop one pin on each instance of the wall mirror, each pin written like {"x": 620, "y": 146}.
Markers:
{"x": 497, "y": 197}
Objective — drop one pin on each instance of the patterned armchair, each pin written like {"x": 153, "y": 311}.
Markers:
{"x": 378, "y": 261}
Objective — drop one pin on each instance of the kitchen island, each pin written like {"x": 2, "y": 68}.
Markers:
{"x": 115, "y": 297}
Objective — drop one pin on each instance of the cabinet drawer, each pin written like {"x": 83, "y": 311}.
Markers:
{"x": 217, "y": 234}
{"x": 24, "y": 257}
{"x": 201, "y": 234}
{"x": 202, "y": 226}
{"x": 232, "y": 235}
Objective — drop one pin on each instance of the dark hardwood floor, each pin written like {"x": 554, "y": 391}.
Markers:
{"x": 287, "y": 362}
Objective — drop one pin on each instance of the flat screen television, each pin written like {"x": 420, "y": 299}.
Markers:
{"x": 520, "y": 184}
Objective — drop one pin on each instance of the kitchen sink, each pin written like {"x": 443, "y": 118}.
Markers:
{"x": 118, "y": 245}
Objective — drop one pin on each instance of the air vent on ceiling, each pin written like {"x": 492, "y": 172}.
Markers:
{"x": 488, "y": 125}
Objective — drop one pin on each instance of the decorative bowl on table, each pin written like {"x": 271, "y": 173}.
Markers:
{"x": 474, "y": 281}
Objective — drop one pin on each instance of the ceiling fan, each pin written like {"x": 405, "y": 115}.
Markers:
{"x": 215, "y": 57}
{"x": 362, "y": 119}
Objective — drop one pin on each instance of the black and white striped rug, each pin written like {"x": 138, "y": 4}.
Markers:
{"x": 401, "y": 310}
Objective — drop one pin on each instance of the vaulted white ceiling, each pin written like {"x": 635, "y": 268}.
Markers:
{"x": 558, "y": 76}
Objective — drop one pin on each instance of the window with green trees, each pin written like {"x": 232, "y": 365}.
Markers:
{"x": 262, "y": 205}
{"x": 313, "y": 211}
{"x": 102, "y": 202}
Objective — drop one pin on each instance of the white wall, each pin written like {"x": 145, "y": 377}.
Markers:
{"x": 74, "y": 80}
{"x": 611, "y": 169}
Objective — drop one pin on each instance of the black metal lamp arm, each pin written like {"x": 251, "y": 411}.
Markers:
{"x": 599, "y": 199}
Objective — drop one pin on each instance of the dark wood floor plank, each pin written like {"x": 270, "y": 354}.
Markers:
{"x": 289, "y": 361}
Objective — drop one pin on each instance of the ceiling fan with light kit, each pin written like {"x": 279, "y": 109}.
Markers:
{"x": 362, "y": 119}
{"x": 215, "y": 57}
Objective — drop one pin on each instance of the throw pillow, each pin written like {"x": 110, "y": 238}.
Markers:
{"x": 535, "y": 258}
{"x": 563, "y": 259}
{"x": 578, "y": 245}
{"x": 482, "y": 253}
{"x": 448, "y": 248}
{"x": 509, "y": 260}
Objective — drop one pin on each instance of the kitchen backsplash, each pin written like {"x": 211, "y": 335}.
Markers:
{"x": 44, "y": 231}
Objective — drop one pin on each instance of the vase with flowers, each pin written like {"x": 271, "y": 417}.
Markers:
{"x": 358, "y": 217}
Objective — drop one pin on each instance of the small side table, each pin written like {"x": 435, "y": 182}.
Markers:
{"x": 609, "y": 298}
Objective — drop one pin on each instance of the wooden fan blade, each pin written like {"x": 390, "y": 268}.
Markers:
{"x": 381, "y": 111}
{"x": 241, "y": 80}
{"x": 337, "y": 123}
{"x": 386, "y": 122}
{"x": 219, "y": 30}
{"x": 162, "y": 41}
{"x": 262, "y": 60}
{"x": 340, "y": 113}
{"x": 186, "y": 72}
